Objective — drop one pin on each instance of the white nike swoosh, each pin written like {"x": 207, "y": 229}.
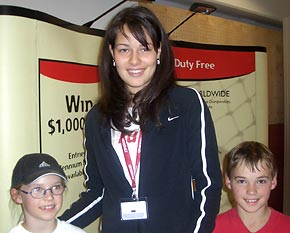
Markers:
{"x": 172, "y": 118}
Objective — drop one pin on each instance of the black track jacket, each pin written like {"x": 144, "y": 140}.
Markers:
{"x": 183, "y": 150}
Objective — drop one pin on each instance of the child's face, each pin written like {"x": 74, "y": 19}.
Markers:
{"x": 42, "y": 209}
{"x": 251, "y": 189}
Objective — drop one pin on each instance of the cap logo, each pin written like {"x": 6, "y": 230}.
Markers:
{"x": 44, "y": 164}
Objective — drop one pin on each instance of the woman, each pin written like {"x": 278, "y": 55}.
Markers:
{"x": 151, "y": 163}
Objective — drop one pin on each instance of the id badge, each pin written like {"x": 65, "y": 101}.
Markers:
{"x": 134, "y": 209}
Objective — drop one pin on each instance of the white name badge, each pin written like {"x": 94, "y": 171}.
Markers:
{"x": 134, "y": 210}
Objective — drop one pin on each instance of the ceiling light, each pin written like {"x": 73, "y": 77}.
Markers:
{"x": 202, "y": 8}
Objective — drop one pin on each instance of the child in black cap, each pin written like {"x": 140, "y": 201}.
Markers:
{"x": 37, "y": 184}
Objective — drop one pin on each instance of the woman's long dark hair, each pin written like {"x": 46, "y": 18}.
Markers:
{"x": 115, "y": 98}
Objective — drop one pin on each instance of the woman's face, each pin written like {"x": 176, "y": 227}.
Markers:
{"x": 135, "y": 63}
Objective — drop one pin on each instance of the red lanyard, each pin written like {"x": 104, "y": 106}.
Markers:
{"x": 128, "y": 160}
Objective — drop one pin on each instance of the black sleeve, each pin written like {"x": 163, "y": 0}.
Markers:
{"x": 206, "y": 170}
{"x": 89, "y": 206}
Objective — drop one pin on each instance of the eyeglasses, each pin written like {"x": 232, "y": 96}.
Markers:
{"x": 39, "y": 192}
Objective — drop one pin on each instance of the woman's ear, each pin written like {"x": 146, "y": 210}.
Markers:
{"x": 111, "y": 50}
{"x": 159, "y": 51}
{"x": 15, "y": 195}
{"x": 228, "y": 182}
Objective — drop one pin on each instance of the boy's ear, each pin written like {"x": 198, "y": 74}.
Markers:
{"x": 228, "y": 182}
{"x": 274, "y": 182}
{"x": 15, "y": 195}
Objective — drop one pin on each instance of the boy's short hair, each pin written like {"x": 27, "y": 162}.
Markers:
{"x": 251, "y": 153}
{"x": 32, "y": 166}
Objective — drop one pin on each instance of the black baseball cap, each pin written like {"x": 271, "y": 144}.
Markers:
{"x": 32, "y": 166}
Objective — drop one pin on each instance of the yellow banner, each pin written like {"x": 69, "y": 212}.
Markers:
{"x": 48, "y": 83}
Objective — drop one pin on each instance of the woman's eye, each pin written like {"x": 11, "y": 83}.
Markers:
{"x": 145, "y": 49}
{"x": 123, "y": 50}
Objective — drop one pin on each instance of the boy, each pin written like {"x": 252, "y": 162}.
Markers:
{"x": 37, "y": 184}
{"x": 251, "y": 174}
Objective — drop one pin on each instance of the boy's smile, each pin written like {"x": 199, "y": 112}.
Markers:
{"x": 251, "y": 188}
